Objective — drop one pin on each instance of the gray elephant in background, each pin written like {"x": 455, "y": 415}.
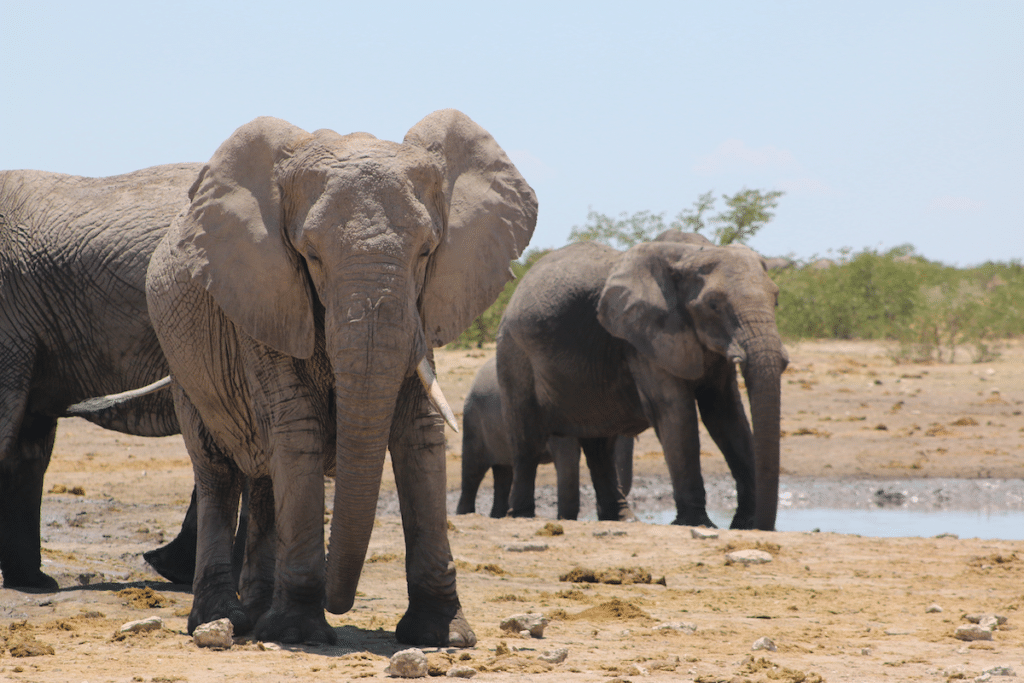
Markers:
{"x": 74, "y": 324}
{"x": 486, "y": 446}
{"x": 596, "y": 342}
{"x": 297, "y": 300}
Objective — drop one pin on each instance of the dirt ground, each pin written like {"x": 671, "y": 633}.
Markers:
{"x": 661, "y": 605}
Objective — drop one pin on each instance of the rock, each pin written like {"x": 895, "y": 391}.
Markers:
{"x": 999, "y": 671}
{"x": 411, "y": 663}
{"x": 554, "y": 656}
{"x": 533, "y": 624}
{"x": 972, "y": 632}
{"x": 764, "y": 643}
{"x": 142, "y": 625}
{"x": 748, "y": 557}
{"x": 677, "y": 626}
{"x": 703, "y": 533}
{"x": 214, "y": 634}
{"x": 461, "y": 671}
{"x": 989, "y": 621}
{"x": 526, "y": 547}
{"x": 608, "y": 532}
{"x": 933, "y": 608}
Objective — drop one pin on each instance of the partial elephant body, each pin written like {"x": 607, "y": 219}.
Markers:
{"x": 74, "y": 324}
{"x": 486, "y": 445}
{"x": 296, "y": 300}
{"x": 596, "y": 342}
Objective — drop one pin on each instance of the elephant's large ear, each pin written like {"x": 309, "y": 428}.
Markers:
{"x": 490, "y": 213}
{"x": 233, "y": 236}
{"x": 640, "y": 303}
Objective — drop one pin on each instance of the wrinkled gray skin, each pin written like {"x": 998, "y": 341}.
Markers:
{"x": 596, "y": 342}
{"x": 294, "y": 300}
{"x": 485, "y": 446}
{"x": 73, "y": 324}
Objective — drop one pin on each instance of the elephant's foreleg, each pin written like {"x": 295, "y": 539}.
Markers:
{"x": 21, "y": 490}
{"x": 565, "y": 453}
{"x": 258, "y": 547}
{"x": 676, "y": 425}
{"x": 289, "y": 520}
{"x": 434, "y": 617}
{"x": 722, "y": 412}
{"x": 502, "y": 488}
{"x": 218, "y": 485}
{"x": 475, "y": 462}
{"x": 611, "y": 502}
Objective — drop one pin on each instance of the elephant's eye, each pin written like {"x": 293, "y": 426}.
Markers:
{"x": 425, "y": 251}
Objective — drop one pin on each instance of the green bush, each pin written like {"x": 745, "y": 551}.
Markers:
{"x": 930, "y": 309}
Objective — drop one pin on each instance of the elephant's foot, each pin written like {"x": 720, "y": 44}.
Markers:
{"x": 694, "y": 518}
{"x": 32, "y": 581}
{"x": 215, "y": 598}
{"x": 175, "y": 561}
{"x": 296, "y": 625}
{"x": 742, "y": 521}
{"x": 435, "y": 629}
{"x": 618, "y": 513}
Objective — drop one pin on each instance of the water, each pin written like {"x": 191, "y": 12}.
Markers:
{"x": 884, "y": 522}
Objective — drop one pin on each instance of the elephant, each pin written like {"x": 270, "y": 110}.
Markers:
{"x": 485, "y": 446}
{"x": 74, "y": 324}
{"x": 597, "y": 342}
{"x": 297, "y": 299}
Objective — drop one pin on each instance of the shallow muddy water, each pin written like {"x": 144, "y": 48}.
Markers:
{"x": 967, "y": 508}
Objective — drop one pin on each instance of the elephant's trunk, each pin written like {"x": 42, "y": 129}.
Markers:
{"x": 369, "y": 338}
{"x": 762, "y": 366}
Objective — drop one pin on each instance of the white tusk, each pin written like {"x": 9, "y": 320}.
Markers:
{"x": 434, "y": 392}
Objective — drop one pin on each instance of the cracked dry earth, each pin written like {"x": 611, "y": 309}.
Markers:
{"x": 641, "y": 602}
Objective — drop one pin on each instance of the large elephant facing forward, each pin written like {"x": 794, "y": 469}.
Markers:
{"x": 73, "y": 324}
{"x": 596, "y": 342}
{"x": 486, "y": 446}
{"x": 297, "y": 299}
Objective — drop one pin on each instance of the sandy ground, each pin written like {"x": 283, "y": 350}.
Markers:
{"x": 837, "y": 607}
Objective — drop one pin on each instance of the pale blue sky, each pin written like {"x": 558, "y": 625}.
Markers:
{"x": 884, "y": 122}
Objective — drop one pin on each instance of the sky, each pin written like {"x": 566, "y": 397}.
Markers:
{"x": 884, "y": 123}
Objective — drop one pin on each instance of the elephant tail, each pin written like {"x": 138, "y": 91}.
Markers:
{"x": 91, "y": 406}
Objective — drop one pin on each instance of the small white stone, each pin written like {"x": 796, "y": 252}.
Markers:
{"x": 677, "y": 626}
{"x": 764, "y": 643}
{"x": 214, "y": 634}
{"x": 748, "y": 557}
{"x": 703, "y": 533}
{"x": 554, "y": 656}
{"x": 142, "y": 625}
{"x": 461, "y": 672}
{"x": 533, "y": 624}
{"x": 526, "y": 547}
{"x": 411, "y": 663}
{"x": 933, "y": 608}
{"x": 972, "y": 632}
{"x": 1000, "y": 671}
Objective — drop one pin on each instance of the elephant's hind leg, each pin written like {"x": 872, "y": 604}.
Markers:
{"x": 21, "y": 490}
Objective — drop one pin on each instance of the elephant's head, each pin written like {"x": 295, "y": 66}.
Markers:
{"x": 402, "y": 245}
{"x": 677, "y": 301}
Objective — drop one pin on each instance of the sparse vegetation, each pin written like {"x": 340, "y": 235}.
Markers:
{"x": 928, "y": 308}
